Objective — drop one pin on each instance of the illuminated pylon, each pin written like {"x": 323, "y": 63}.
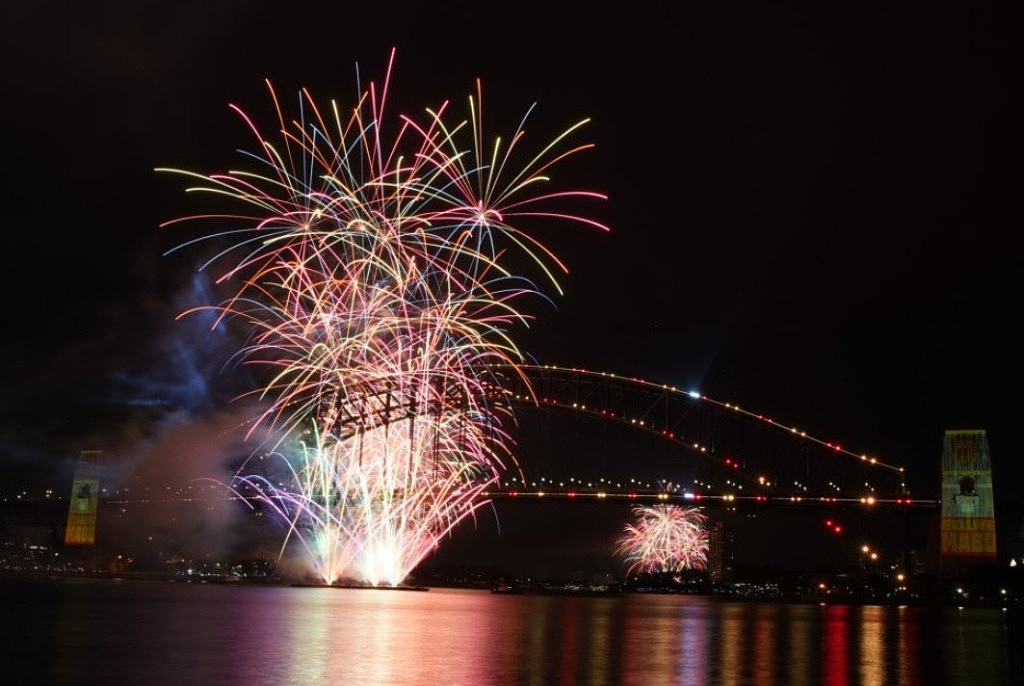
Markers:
{"x": 968, "y": 527}
{"x": 85, "y": 494}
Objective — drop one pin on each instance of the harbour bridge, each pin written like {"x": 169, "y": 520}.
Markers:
{"x": 596, "y": 435}
{"x": 593, "y": 438}
{"x": 584, "y": 437}
{"x": 577, "y": 435}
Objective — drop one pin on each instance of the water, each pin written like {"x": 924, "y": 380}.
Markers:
{"x": 132, "y": 632}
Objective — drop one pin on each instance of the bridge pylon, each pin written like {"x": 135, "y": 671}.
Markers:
{"x": 967, "y": 528}
{"x": 80, "y": 531}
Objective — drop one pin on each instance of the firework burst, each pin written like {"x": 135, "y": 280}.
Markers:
{"x": 664, "y": 538}
{"x": 371, "y": 276}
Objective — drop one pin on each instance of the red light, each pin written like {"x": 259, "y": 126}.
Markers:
{"x": 838, "y": 529}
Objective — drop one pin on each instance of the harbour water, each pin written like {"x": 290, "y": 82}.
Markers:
{"x": 88, "y": 631}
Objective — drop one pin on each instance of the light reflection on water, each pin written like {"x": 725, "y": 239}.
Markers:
{"x": 163, "y": 633}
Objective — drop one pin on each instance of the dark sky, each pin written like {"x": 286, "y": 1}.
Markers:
{"x": 810, "y": 207}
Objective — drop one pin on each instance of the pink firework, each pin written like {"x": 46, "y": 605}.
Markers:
{"x": 664, "y": 538}
{"x": 371, "y": 274}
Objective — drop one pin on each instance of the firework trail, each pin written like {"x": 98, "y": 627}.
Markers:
{"x": 664, "y": 538}
{"x": 371, "y": 273}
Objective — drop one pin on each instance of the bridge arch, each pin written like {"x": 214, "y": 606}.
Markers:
{"x": 709, "y": 448}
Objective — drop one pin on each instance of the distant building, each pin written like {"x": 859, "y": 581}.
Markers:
{"x": 720, "y": 558}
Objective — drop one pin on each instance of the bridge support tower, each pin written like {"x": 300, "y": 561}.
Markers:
{"x": 80, "y": 532}
{"x": 967, "y": 529}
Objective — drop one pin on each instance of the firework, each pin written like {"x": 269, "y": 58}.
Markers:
{"x": 664, "y": 538}
{"x": 371, "y": 275}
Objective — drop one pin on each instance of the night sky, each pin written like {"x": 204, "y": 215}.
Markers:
{"x": 810, "y": 208}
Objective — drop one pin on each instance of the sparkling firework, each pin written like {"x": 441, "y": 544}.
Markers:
{"x": 373, "y": 282}
{"x": 664, "y": 538}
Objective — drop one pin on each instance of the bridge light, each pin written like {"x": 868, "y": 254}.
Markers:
{"x": 695, "y": 395}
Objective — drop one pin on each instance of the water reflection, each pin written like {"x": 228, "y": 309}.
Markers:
{"x": 799, "y": 656}
{"x": 908, "y": 646}
{"x": 834, "y": 644}
{"x": 101, "y": 632}
{"x": 693, "y": 643}
{"x": 873, "y": 633}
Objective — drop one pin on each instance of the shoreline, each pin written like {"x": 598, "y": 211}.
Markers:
{"x": 565, "y": 590}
